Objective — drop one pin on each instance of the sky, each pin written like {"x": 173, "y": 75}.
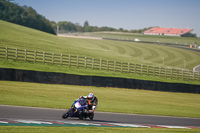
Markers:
{"x": 126, "y": 14}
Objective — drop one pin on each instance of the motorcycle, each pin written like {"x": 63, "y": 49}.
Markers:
{"x": 79, "y": 109}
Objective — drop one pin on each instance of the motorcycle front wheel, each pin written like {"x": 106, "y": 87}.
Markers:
{"x": 66, "y": 114}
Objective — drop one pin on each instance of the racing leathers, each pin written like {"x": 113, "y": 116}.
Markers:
{"x": 92, "y": 103}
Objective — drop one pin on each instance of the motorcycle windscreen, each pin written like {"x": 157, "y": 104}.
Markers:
{"x": 77, "y": 105}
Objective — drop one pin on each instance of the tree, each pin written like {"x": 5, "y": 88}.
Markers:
{"x": 66, "y": 26}
{"x": 189, "y": 35}
{"x": 79, "y": 28}
{"x": 121, "y": 29}
{"x": 25, "y": 16}
{"x": 86, "y": 24}
{"x": 86, "y": 27}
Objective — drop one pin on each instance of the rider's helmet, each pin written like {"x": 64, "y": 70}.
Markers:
{"x": 90, "y": 96}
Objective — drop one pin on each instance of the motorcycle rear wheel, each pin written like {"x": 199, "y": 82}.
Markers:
{"x": 91, "y": 116}
{"x": 80, "y": 117}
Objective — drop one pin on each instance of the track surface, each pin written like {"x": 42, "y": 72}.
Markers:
{"x": 31, "y": 113}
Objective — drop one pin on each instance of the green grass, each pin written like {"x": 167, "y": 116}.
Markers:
{"x": 60, "y": 96}
{"x": 16, "y": 36}
{"x": 110, "y": 99}
{"x": 11, "y": 129}
{"x": 82, "y": 71}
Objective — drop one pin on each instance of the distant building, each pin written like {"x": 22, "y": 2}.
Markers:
{"x": 167, "y": 31}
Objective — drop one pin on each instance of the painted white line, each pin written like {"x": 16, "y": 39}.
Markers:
{"x": 93, "y": 124}
{"x": 76, "y": 123}
{"x": 3, "y": 122}
{"x": 128, "y": 125}
{"x": 166, "y": 126}
{"x": 32, "y": 122}
{"x": 28, "y": 121}
{"x": 81, "y": 123}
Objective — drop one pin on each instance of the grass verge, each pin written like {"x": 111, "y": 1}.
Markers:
{"x": 110, "y": 99}
{"x": 11, "y": 129}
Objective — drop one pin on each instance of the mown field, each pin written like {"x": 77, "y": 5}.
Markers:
{"x": 16, "y": 36}
{"x": 110, "y": 99}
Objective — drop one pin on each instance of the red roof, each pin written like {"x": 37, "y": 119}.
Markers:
{"x": 175, "y": 31}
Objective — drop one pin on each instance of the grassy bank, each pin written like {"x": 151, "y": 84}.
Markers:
{"x": 15, "y": 36}
{"x": 110, "y": 99}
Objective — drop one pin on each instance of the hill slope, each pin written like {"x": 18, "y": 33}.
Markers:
{"x": 16, "y": 36}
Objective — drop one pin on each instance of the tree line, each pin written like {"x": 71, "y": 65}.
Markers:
{"x": 65, "y": 26}
{"x": 24, "y": 15}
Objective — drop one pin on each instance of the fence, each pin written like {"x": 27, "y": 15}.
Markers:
{"x": 96, "y": 64}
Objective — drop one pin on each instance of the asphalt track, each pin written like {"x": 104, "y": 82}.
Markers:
{"x": 46, "y": 114}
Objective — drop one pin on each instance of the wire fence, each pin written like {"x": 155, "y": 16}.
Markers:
{"x": 96, "y": 64}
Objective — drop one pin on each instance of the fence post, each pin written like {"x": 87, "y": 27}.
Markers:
{"x": 25, "y": 54}
{"x": 121, "y": 67}
{"x": 61, "y": 59}
{"x": 69, "y": 60}
{"x": 107, "y": 65}
{"x": 153, "y": 71}
{"x": 171, "y": 72}
{"x": 100, "y": 64}
{"x": 43, "y": 57}
{"x": 16, "y": 54}
{"x": 128, "y": 67}
{"x": 193, "y": 75}
{"x": 141, "y": 68}
{"x": 85, "y": 62}
{"x": 114, "y": 66}
{"x": 177, "y": 74}
{"x": 159, "y": 71}
{"x": 188, "y": 76}
{"x": 147, "y": 70}
{"x": 52, "y": 58}
{"x": 35, "y": 56}
{"x": 135, "y": 68}
{"x": 6, "y": 53}
{"x": 182, "y": 73}
{"x": 77, "y": 65}
{"x": 92, "y": 63}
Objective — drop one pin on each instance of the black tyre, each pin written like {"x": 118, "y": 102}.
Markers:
{"x": 91, "y": 116}
{"x": 66, "y": 114}
{"x": 81, "y": 117}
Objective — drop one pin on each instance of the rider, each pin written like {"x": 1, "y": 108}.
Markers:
{"x": 92, "y": 101}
